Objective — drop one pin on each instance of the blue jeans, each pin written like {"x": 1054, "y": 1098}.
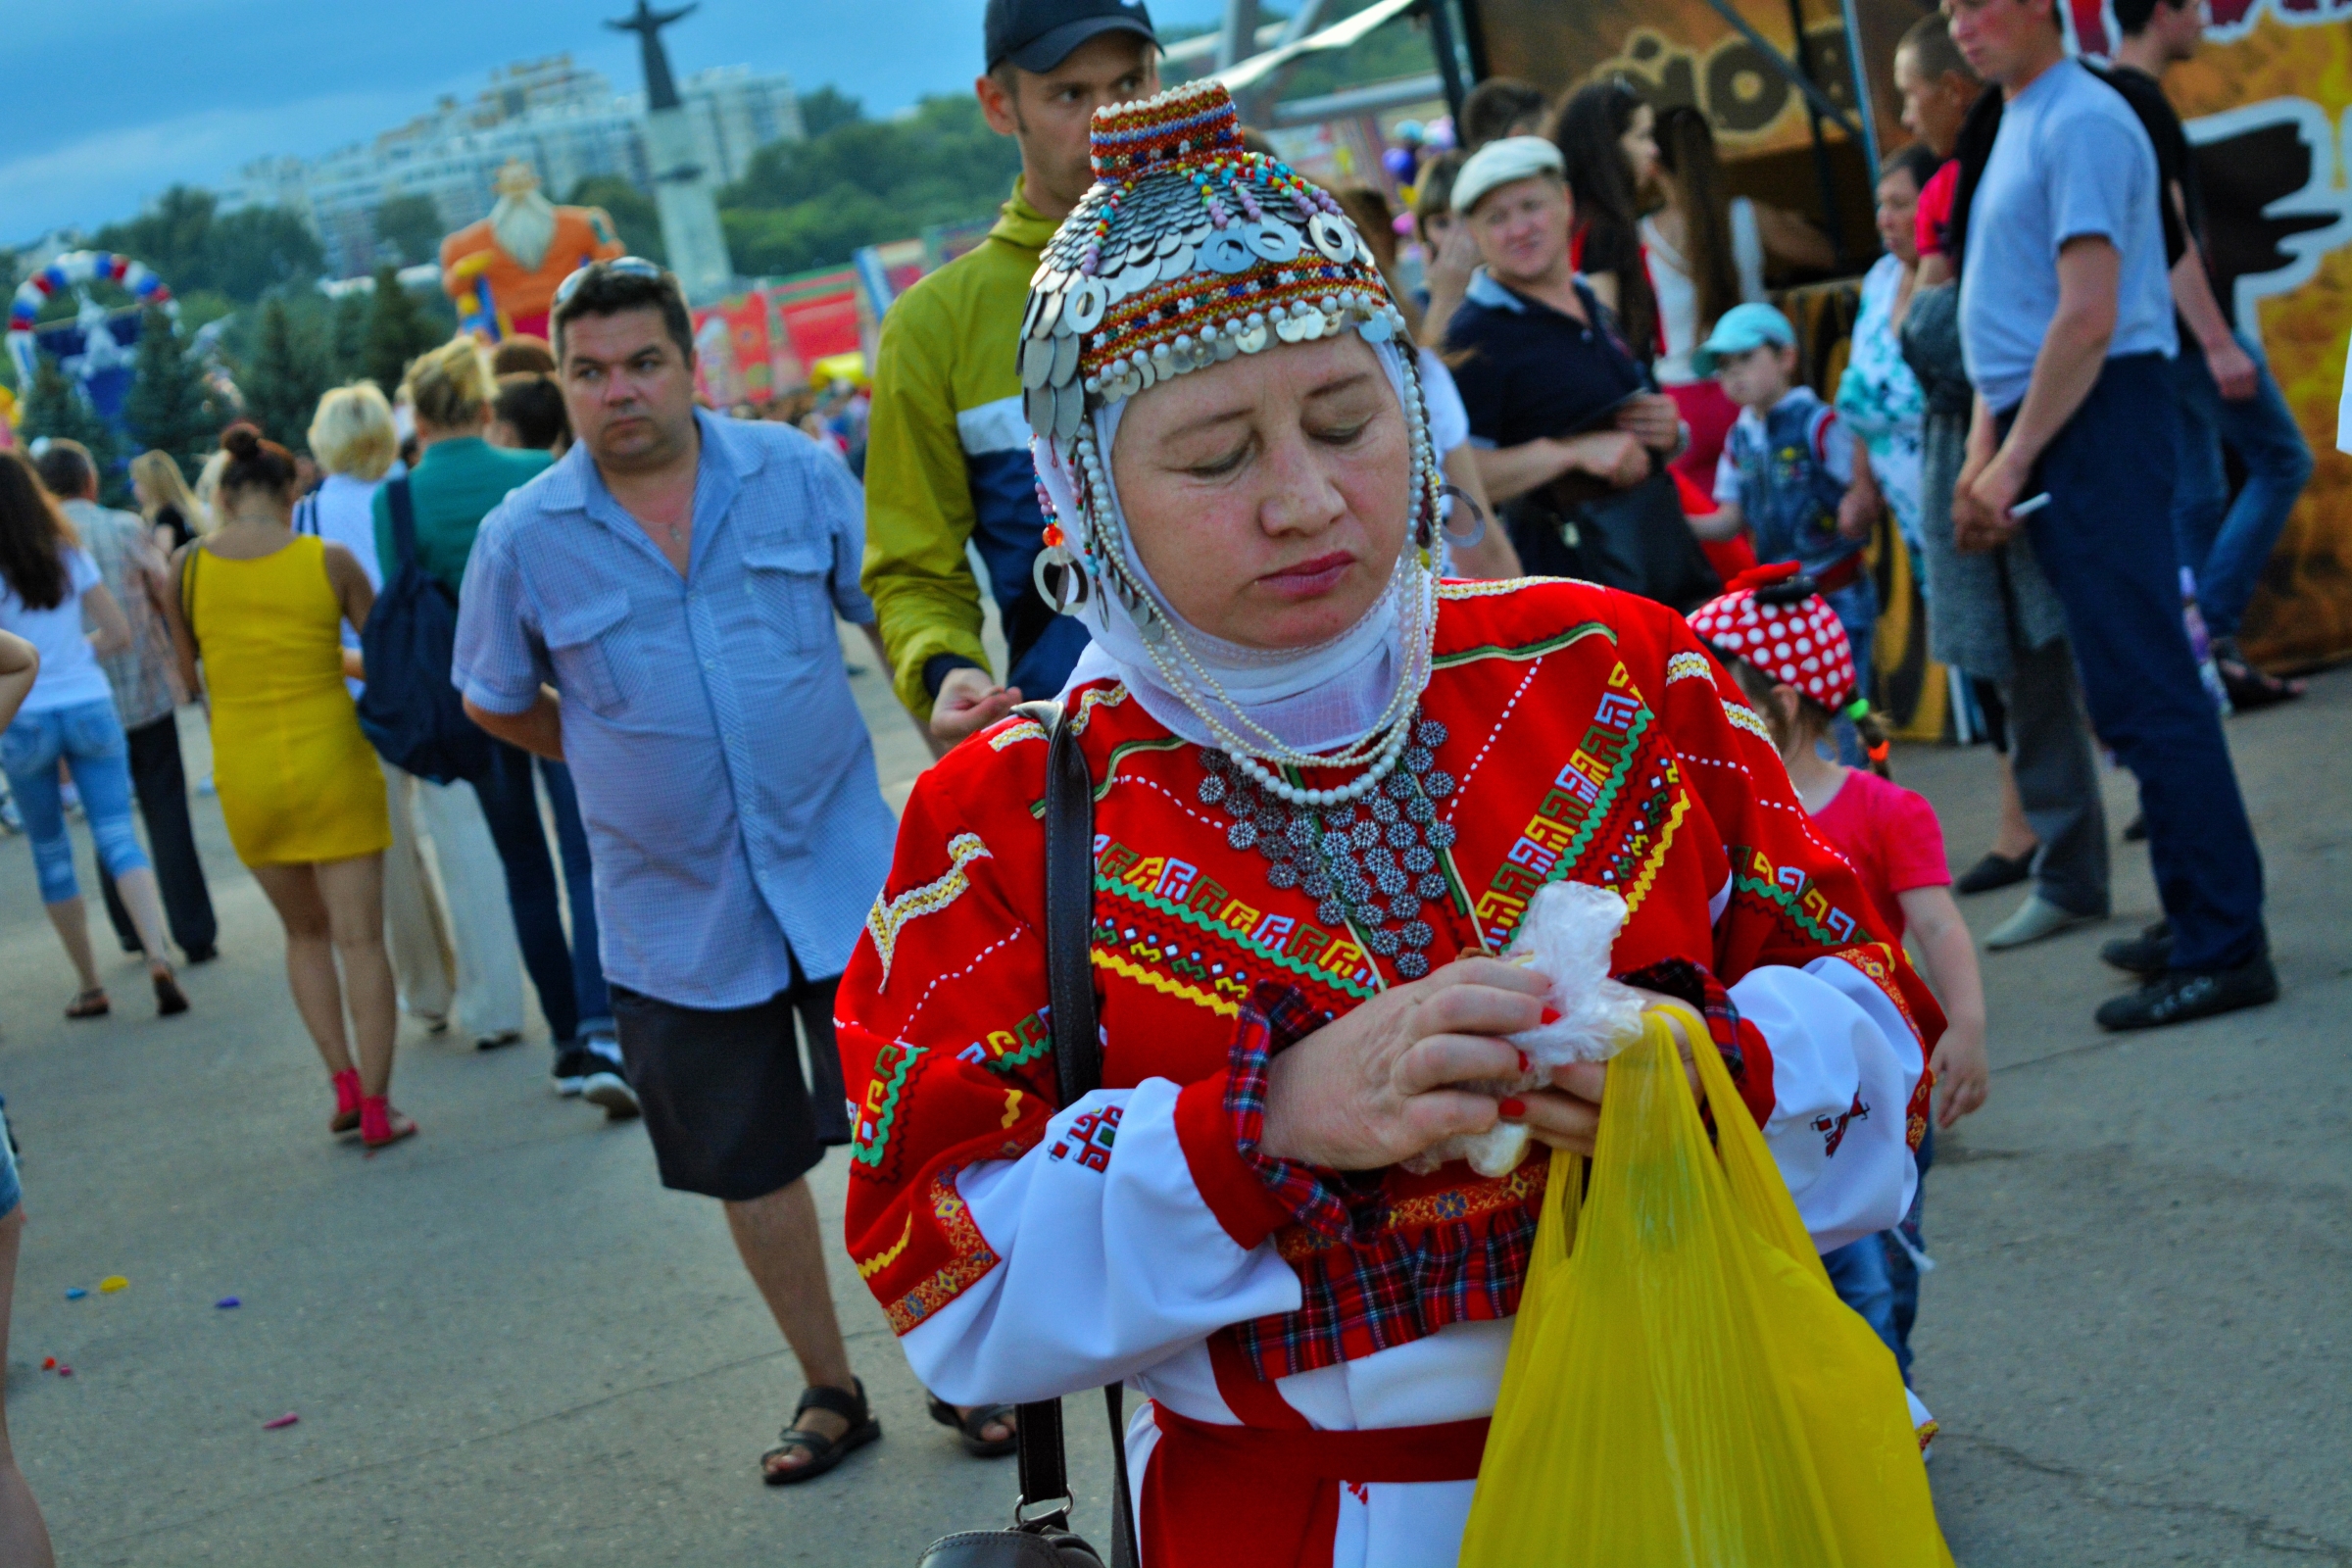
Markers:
{"x": 89, "y": 738}
{"x": 1858, "y": 1274}
{"x": 2224, "y": 543}
{"x": 2108, "y": 472}
{"x": 1901, "y": 1272}
{"x": 568, "y": 974}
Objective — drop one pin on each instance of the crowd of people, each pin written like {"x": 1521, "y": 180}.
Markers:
{"x": 1304, "y": 616}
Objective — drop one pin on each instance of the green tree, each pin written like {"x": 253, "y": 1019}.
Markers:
{"x": 347, "y": 334}
{"x": 56, "y": 407}
{"x": 398, "y": 331}
{"x": 812, "y": 203}
{"x": 171, "y": 407}
{"x": 635, "y": 218}
{"x": 413, "y": 226}
{"x": 192, "y": 245}
{"x": 288, "y": 375}
{"x": 827, "y": 107}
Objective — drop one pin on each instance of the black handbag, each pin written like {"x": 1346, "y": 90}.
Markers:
{"x": 1044, "y": 1538}
{"x": 1637, "y": 539}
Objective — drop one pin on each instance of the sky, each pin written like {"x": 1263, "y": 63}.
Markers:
{"x": 110, "y": 103}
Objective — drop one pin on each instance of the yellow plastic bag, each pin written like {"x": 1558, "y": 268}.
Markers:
{"x": 1684, "y": 1386}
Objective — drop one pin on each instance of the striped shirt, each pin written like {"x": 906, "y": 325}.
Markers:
{"x": 724, "y": 772}
{"x": 140, "y": 674}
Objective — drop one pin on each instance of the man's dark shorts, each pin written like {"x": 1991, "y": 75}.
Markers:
{"x": 724, "y": 1101}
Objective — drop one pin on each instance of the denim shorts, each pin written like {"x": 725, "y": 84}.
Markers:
{"x": 12, "y": 1191}
{"x": 89, "y": 738}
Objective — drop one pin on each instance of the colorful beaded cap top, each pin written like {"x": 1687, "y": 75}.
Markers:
{"x": 1189, "y": 250}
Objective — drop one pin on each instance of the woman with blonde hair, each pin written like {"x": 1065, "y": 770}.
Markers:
{"x": 356, "y": 443}
{"x": 167, "y": 503}
{"x": 459, "y": 479}
{"x": 298, "y": 782}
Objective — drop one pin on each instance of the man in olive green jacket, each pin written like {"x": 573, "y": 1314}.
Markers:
{"x": 948, "y": 449}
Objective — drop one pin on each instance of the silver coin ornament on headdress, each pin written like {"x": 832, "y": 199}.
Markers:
{"x": 1191, "y": 250}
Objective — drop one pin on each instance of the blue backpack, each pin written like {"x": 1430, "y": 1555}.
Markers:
{"x": 411, "y": 712}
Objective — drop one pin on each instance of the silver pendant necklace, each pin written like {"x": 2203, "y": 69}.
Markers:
{"x": 1372, "y": 866}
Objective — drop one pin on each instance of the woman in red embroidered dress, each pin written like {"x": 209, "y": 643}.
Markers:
{"x": 1327, "y": 788}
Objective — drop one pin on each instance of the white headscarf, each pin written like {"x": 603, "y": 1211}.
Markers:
{"x": 1313, "y": 698}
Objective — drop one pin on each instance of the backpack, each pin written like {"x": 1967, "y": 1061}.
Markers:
{"x": 411, "y": 712}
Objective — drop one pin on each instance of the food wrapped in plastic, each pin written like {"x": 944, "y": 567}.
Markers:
{"x": 1566, "y": 937}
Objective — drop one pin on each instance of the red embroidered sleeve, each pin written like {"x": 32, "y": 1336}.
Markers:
{"x": 1786, "y": 895}
{"x": 942, "y": 1018}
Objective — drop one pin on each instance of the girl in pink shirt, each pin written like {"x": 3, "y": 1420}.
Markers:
{"x": 1783, "y": 644}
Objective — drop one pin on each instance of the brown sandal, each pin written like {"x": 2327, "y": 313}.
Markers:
{"x": 91, "y": 1003}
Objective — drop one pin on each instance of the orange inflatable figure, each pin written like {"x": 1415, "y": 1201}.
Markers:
{"x": 503, "y": 271}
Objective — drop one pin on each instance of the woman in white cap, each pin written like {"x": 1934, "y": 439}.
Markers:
{"x": 1326, "y": 789}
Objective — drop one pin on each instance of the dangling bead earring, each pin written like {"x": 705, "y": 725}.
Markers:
{"x": 1067, "y": 589}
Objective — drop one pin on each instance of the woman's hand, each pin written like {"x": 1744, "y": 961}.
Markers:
{"x": 1377, "y": 1086}
{"x": 1567, "y": 1115}
{"x": 1384, "y": 1083}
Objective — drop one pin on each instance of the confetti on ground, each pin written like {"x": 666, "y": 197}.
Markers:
{"x": 49, "y": 1363}
{"x": 75, "y": 1292}
{"x": 113, "y": 1283}
{"x": 227, "y": 1301}
{"x": 286, "y": 1420}
{"x": 65, "y": 1371}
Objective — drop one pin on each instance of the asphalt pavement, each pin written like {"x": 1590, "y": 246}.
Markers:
{"x": 506, "y": 1344}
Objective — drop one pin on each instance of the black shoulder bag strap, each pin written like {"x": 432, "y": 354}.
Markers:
{"x": 404, "y": 521}
{"x": 1078, "y": 1070}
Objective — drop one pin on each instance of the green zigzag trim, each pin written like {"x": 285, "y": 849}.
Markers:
{"x": 1110, "y": 771}
{"x": 1775, "y": 894}
{"x": 1152, "y": 900}
{"x": 1526, "y": 651}
{"x": 871, "y": 1154}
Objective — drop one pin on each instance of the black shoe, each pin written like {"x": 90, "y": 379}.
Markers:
{"x": 2136, "y": 831}
{"x": 1995, "y": 870}
{"x": 573, "y": 1064}
{"x": 2179, "y": 997}
{"x": 197, "y": 955}
{"x": 2147, "y": 954}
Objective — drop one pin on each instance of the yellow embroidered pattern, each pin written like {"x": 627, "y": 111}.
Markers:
{"x": 1217, "y": 1004}
{"x": 1028, "y": 729}
{"x": 1688, "y": 666}
{"x": 875, "y": 1264}
{"x": 1013, "y": 1109}
{"x": 1095, "y": 697}
{"x": 1489, "y": 589}
{"x": 1744, "y": 717}
{"x": 890, "y": 916}
{"x": 1639, "y": 890}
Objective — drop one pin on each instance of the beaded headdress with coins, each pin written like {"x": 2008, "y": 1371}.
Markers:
{"x": 1189, "y": 250}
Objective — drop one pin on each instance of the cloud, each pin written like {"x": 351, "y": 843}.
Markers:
{"x": 110, "y": 173}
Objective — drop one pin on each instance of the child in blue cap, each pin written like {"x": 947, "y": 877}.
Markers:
{"x": 1788, "y": 471}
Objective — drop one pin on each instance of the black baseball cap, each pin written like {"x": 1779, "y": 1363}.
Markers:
{"x": 1039, "y": 34}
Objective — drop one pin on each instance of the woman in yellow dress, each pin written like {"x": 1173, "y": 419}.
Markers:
{"x": 298, "y": 781}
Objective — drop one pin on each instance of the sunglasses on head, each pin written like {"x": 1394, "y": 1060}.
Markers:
{"x": 626, "y": 266}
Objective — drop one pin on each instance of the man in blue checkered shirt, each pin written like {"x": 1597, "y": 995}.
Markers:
{"x": 658, "y": 609}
